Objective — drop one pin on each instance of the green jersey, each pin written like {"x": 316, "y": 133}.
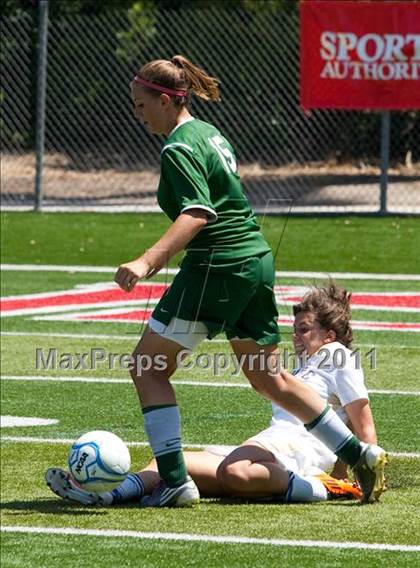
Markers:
{"x": 199, "y": 171}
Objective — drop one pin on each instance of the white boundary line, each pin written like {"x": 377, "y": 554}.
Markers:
{"x": 279, "y": 273}
{"x": 81, "y": 290}
{"x": 69, "y": 441}
{"x": 209, "y": 384}
{"x": 133, "y": 336}
{"x": 57, "y": 268}
{"x": 130, "y": 317}
{"x": 50, "y": 207}
{"x": 143, "y": 444}
{"x": 186, "y": 537}
{"x": 125, "y": 337}
{"x": 126, "y": 307}
{"x": 122, "y": 337}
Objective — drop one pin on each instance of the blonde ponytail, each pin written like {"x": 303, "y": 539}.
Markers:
{"x": 181, "y": 75}
{"x": 201, "y": 84}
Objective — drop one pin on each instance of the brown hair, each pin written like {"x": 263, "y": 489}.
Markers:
{"x": 331, "y": 306}
{"x": 179, "y": 73}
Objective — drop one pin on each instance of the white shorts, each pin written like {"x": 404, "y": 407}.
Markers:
{"x": 293, "y": 447}
{"x": 188, "y": 334}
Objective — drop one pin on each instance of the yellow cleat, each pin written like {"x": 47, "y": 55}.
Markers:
{"x": 369, "y": 472}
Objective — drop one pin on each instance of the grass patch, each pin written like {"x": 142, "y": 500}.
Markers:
{"x": 210, "y": 414}
{"x": 27, "y": 501}
{"x": 47, "y": 550}
{"x": 355, "y": 244}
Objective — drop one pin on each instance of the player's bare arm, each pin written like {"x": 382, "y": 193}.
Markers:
{"x": 179, "y": 234}
{"x": 360, "y": 415}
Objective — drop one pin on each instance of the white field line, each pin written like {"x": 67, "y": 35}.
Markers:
{"x": 69, "y": 441}
{"x": 112, "y": 316}
{"x": 186, "y": 537}
{"x": 124, "y": 380}
{"x": 81, "y": 289}
{"x": 391, "y": 392}
{"x": 143, "y": 444}
{"x": 57, "y": 268}
{"x": 279, "y": 273}
{"x": 112, "y": 209}
{"x": 122, "y": 337}
{"x": 122, "y": 307}
{"x": 121, "y": 381}
{"x": 260, "y": 210}
{"x": 133, "y": 336}
{"x": 81, "y": 336}
{"x": 7, "y": 421}
{"x": 80, "y": 307}
{"x": 134, "y": 319}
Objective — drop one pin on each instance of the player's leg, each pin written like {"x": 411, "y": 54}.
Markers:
{"x": 155, "y": 360}
{"x": 260, "y": 363}
{"x": 202, "y": 467}
{"x": 133, "y": 488}
{"x": 297, "y": 451}
{"x": 254, "y": 340}
{"x": 252, "y": 471}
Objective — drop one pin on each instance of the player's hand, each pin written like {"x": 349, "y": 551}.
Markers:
{"x": 130, "y": 273}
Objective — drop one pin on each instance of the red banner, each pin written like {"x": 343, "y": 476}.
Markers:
{"x": 359, "y": 55}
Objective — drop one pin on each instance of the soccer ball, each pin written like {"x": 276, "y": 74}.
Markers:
{"x": 99, "y": 461}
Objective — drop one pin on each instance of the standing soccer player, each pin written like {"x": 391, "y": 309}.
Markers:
{"x": 225, "y": 283}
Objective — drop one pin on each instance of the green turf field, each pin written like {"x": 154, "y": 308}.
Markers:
{"x": 356, "y": 244}
{"x": 215, "y": 409}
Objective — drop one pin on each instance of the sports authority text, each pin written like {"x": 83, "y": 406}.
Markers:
{"x": 380, "y": 57}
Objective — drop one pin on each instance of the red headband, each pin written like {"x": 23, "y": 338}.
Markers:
{"x": 155, "y": 87}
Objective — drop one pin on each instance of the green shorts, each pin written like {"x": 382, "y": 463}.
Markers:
{"x": 236, "y": 298}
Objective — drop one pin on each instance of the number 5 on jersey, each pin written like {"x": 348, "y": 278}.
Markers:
{"x": 226, "y": 157}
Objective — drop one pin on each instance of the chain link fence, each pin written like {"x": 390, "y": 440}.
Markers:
{"x": 96, "y": 155}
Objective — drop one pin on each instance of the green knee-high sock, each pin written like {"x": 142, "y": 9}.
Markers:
{"x": 163, "y": 427}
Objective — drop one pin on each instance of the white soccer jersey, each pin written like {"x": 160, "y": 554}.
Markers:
{"x": 335, "y": 374}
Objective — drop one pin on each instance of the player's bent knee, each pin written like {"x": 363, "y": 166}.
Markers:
{"x": 233, "y": 476}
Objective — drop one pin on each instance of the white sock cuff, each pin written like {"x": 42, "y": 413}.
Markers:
{"x": 163, "y": 428}
{"x": 305, "y": 489}
{"x": 331, "y": 431}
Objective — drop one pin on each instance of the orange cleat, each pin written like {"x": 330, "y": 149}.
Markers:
{"x": 339, "y": 488}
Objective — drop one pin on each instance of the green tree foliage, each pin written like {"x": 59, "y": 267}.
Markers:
{"x": 63, "y": 8}
{"x": 141, "y": 24}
